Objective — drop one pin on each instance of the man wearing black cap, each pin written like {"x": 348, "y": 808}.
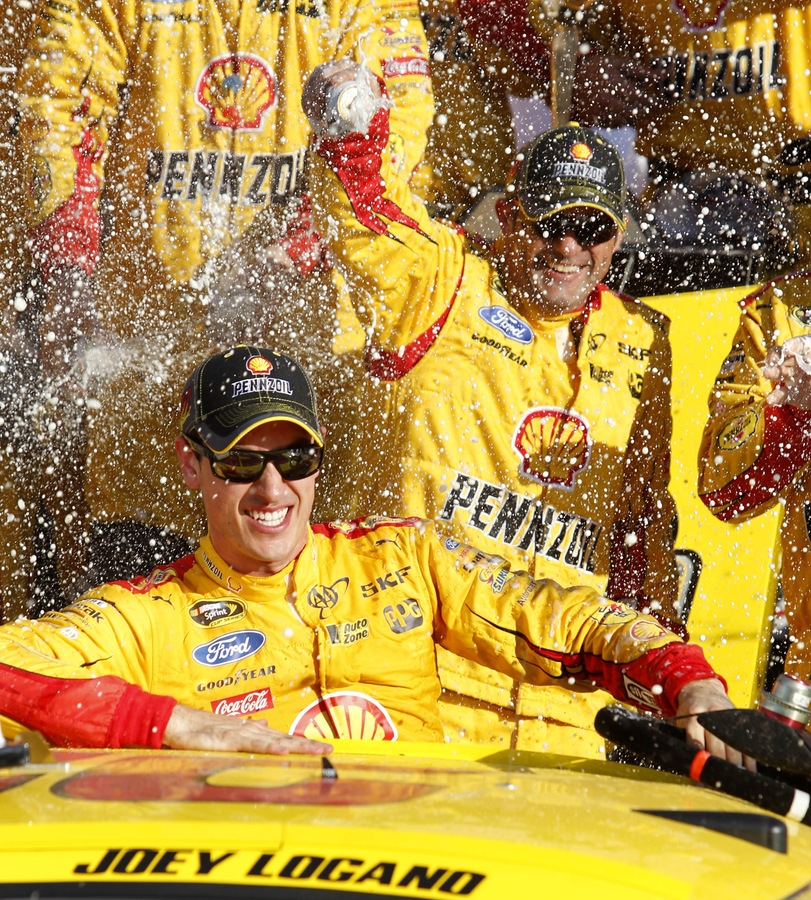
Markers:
{"x": 519, "y": 401}
{"x": 276, "y": 632}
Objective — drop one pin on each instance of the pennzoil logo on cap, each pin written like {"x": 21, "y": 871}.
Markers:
{"x": 259, "y": 365}
{"x": 580, "y": 151}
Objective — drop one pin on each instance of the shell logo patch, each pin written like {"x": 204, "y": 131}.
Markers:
{"x": 236, "y": 91}
{"x": 259, "y": 365}
{"x": 580, "y": 151}
{"x": 554, "y": 446}
{"x": 345, "y": 714}
{"x": 738, "y": 432}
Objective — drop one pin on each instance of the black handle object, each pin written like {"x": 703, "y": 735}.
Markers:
{"x": 642, "y": 736}
{"x": 763, "y": 738}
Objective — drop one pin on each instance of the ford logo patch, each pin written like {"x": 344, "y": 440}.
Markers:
{"x": 507, "y": 323}
{"x": 229, "y": 648}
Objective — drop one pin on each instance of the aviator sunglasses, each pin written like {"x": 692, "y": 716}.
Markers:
{"x": 292, "y": 463}
{"x": 587, "y": 230}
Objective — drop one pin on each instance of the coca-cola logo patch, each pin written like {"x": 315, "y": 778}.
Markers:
{"x": 229, "y": 648}
{"x": 244, "y": 704}
{"x": 212, "y": 613}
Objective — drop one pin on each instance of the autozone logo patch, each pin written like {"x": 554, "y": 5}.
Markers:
{"x": 244, "y": 704}
{"x": 229, "y": 648}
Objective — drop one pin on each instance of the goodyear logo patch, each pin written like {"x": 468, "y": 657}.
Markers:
{"x": 738, "y": 431}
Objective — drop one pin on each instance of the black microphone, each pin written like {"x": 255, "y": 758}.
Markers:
{"x": 642, "y": 736}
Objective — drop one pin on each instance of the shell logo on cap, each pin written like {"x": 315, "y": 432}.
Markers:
{"x": 345, "y": 714}
{"x": 259, "y": 365}
{"x": 554, "y": 446}
{"x": 581, "y": 152}
{"x": 236, "y": 90}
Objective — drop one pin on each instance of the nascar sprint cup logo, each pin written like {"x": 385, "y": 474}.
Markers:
{"x": 229, "y": 648}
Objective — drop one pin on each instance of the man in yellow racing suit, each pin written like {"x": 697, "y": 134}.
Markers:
{"x": 186, "y": 120}
{"x": 525, "y": 407}
{"x": 319, "y": 631}
{"x": 715, "y": 87}
{"x": 756, "y": 446}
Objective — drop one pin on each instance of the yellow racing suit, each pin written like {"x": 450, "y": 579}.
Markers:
{"x": 545, "y": 441}
{"x": 186, "y": 117}
{"x": 736, "y": 83}
{"x": 753, "y": 456}
{"x": 340, "y": 644}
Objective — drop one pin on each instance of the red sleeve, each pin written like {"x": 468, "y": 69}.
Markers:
{"x": 786, "y": 449}
{"x": 71, "y": 235}
{"x": 670, "y": 668}
{"x": 94, "y": 712}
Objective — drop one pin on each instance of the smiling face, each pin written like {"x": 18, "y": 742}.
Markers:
{"x": 258, "y": 528}
{"x": 554, "y": 274}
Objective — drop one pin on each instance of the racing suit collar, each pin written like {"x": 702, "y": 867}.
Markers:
{"x": 251, "y": 587}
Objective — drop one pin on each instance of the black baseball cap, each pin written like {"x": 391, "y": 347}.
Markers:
{"x": 236, "y": 390}
{"x": 568, "y": 167}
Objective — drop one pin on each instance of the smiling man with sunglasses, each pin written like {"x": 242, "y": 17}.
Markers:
{"x": 277, "y": 634}
{"x": 514, "y": 399}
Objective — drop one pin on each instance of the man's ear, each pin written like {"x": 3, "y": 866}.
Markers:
{"x": 505, "y": 211}
{"x": 189, "y": 463}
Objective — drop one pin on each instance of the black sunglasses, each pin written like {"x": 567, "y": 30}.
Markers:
{"x": 587, "y": 230}
{"x": 292, "y": 463}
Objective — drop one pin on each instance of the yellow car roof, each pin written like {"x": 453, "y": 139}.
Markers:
{"x": 381, "y": 820}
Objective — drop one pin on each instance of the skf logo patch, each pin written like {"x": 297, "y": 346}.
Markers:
{"x": 259, "y": 365}
{"x": 345, "y": 714}
{"x": 801, "y": 314}
{"x": 236, "y": 91}
{"x": 212, "y": 613}
{"x": 581, "y": 152}
{"x": 639, "y": 693}
{"x": 554, "y": 446}
{"x": 403, "y": 616}
{"x": 738, "y": 432}
{"x": 326, "y": 596}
